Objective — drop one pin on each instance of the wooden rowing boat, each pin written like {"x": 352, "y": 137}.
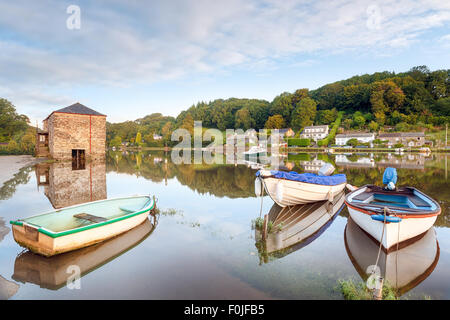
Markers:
{"x": 291, "y": 188}
{"x": 297, "y": 226}
{"x": 403, "y": 269}
{"x": 82, "y": 225}
{"x": 392, "y": 217}
{"x": 51, "y": 273}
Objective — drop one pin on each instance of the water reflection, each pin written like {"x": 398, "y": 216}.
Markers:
{"x": 4, "y": 230}
{"x": 65, "y": 186}
{"x": 294, "y": 227}
{"x": 403, "y": 269}
{"x": 51, "y": 273}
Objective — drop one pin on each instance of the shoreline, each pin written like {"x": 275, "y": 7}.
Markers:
{"x": 10, "y": 165}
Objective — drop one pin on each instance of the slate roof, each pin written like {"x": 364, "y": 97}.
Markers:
{"x": 78, "y": 108}
{"x": 355, "y": 134}
{"x": 401, "y": 134}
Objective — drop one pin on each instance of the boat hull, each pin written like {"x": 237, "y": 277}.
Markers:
{"x": 296, "y": 192}
{"x": 45, "y": 245}
{"x": 403, "y": 269}
{"x": 394, "y": 232}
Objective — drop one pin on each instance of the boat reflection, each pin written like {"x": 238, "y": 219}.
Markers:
{"x": 66, "y": 185}
{"x": 52, "y": 273}
{"x": 294, "y": 227}
{"x": 403, "y": 269}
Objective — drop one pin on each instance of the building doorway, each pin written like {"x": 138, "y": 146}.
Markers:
{"x": 78, "y": 159}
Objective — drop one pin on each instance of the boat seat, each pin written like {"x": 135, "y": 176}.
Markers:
{"x": 89, "y": 217}
{"x": 363, "y": 196}
{"x": 418, "y": 202}
{"x": 127, "y": 209}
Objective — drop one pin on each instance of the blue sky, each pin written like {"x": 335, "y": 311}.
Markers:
{"x": 133, "y": 58}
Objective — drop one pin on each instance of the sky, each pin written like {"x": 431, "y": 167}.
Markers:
{"x": 128, "y": 59}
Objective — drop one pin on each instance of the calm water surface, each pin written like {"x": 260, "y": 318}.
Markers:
{"x": 202, "y": 244}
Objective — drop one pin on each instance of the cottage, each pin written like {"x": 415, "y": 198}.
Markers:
{"x": 407, "y": 139}
{"x": 315, "y": 132}
{"x": 342, "y": 139}
{"x": 73, "y": 132}
{"x": 286, "y": 132}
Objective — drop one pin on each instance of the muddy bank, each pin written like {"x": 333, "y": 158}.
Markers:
{"x": 10, "y": 165}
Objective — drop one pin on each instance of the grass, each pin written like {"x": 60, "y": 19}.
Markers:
{"x": 358, "y": 291}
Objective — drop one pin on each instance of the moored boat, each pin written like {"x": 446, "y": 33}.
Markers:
{"x": 392, "y": 217}
{"x": 291, "y": 188}
{"x": 51, "y": 273}
{"x": 297, "y": 226}
{"x": 403, "y": 269}
{"x": 82, "y": 225}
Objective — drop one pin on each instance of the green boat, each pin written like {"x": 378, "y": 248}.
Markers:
{"x": 82, "y": 225}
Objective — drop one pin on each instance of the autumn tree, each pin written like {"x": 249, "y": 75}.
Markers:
{"x": 275, "y": 122}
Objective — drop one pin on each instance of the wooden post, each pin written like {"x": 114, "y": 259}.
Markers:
{"x": 264, "y": 231}
{"x": 378, "y": 292}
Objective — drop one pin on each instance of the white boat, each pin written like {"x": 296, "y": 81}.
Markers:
{"x": 403, "y": 269}
{"x": 82, "y": 225}
{"x": 51, "y": 272}
{"x": 297, "y": 226}
{"x": 255, "y": 150}
{"x": 292, "y": 188}
{"x": 392, "y": 217}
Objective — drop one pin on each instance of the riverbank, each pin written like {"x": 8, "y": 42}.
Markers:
{"x": 10, "y": 165}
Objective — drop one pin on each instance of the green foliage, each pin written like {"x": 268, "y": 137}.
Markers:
{"x": 359, "y": 291}
{"x": 304, "y": 113}
{"x": 330, "y": 138}
{"x": 275, "y": 122}
{"x": 352, "y": 142}
{"x": 299, "y": 142}
{"x": 11, "y": 123}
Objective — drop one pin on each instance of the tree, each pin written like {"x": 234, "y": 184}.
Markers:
{"x": 385, "y": 97}
{"x": 138, "y": 139}
{"x": 353, "y": 142}
{"x": 244, "y": 120}
{"x": 299, "y": 95}
{"x": 373, "y": 126}
{"x": 304, "y": 113}
{"x": 116, "y": 142}
{"x": 11, "y": 123}
{"x": 347, "y": 123}
{"x": 358, "y": 119}
{"x": 275, "y": 122}
{"x": 282, "y": 105}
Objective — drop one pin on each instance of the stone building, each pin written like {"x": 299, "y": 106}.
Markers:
{"x": 73, "y": 132}
{"x": 66, "y": 184}
{"x": 408, "y": 139}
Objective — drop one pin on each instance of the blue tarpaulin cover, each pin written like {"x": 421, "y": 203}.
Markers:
{"x": 390, "y": 175}
{"x": 309, "y": 177}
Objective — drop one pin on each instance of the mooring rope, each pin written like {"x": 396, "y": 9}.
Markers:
{"x": 262, "y": 196}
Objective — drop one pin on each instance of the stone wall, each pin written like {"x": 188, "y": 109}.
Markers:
{"x": 67, "y": 187}
{"x": 76, "y": 131}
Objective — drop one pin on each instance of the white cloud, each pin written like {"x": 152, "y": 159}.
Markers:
{"x": 121, "y": 43}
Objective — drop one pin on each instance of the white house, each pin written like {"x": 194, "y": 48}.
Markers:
{"x": 342, "y": 139}
{"x": 315, "y": 132}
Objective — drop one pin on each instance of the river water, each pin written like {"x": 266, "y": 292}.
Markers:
{"x": 202, "y": 243}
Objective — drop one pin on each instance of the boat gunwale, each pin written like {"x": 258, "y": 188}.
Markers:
{"x": 53, "y": 234}
{"x": 317, "y": 184}
{"x": 399, "y": 213}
